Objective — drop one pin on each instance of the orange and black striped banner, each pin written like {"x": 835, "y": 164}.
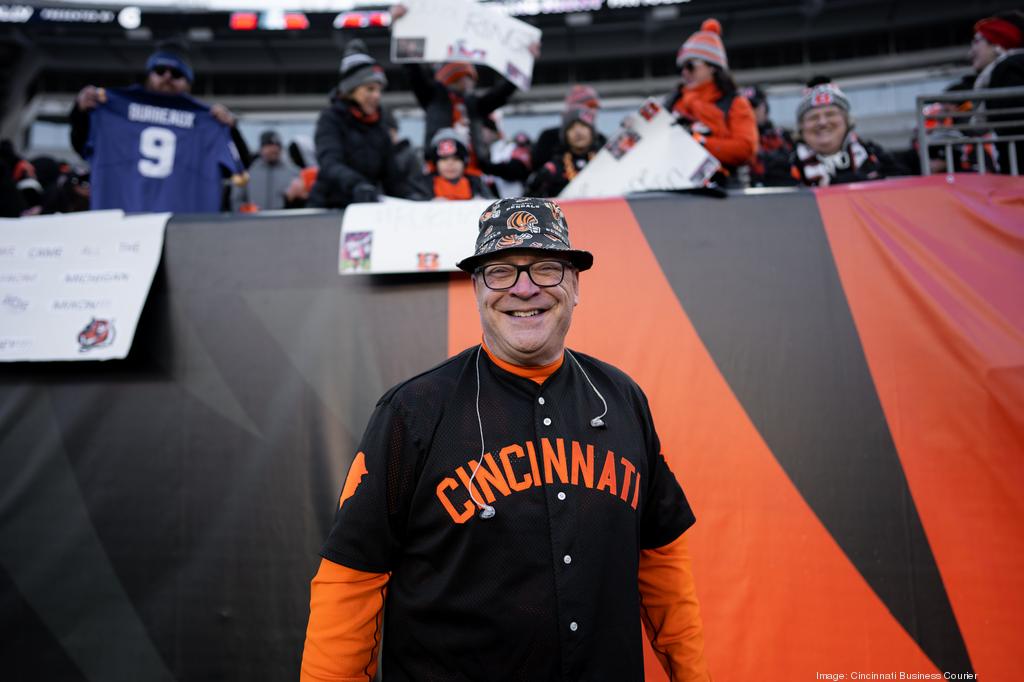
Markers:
{"x": 837, "y": 378}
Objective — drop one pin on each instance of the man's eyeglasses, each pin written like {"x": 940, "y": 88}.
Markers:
{"x": 164, "y": 70}
{"x": 543, "y": 273}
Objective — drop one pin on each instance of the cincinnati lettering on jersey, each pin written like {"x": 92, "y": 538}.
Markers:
{"x": 548, "y": 464}
{"x": 171, "y": 117}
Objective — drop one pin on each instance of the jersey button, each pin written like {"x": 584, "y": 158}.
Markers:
{"x": 547, "y": 421}
{"x": 567, "y": 559}
{"x": 540, "y": 400}
{"x": 573, "y": 626}
{"x": 561, "y": 496}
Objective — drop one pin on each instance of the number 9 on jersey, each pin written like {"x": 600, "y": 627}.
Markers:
{"x": 156, "y": 147}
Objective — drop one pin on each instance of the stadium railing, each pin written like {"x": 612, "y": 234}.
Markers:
{"x": 950, "y": 129}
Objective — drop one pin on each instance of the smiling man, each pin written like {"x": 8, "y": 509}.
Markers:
{"x": 828, "y": 151}
{"x": 509, "y": 511}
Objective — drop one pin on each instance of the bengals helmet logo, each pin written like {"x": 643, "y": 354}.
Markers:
{"x": 97, "y": 334}
{"x": 556, "y": 213}
{"x": 446, "y": 148}
{"x": 511, "y": 240}
{"x": 524, "y": 221}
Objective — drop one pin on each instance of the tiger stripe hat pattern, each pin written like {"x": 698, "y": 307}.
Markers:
{"x": 524, "y": 223}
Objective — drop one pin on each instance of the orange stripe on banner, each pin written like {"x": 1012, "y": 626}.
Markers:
{"x": 934, "y": 274}
{"x": 780, "y": 600}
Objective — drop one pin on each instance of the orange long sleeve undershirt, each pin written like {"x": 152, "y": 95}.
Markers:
{"x": 345, "y": 608}
{"x": 671, "y": 612}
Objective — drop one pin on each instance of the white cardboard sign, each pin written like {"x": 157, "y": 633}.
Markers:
{"x": 408, "y": 236}
{"x": 464, "y": 31}
{"x": 72, "y": 286}
{"x": 650, "y": 152}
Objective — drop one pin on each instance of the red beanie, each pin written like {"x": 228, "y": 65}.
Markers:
{"x": 999, "y": 32}
{"x": 453, "y": 71}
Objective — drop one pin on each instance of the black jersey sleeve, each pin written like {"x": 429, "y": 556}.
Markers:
{"x": 370, "y": 522}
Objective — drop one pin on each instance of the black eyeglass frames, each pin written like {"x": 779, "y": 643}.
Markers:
{"x": 503, "y": 276}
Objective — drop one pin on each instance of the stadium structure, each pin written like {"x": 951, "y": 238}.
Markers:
{"x": 272, "y": 63}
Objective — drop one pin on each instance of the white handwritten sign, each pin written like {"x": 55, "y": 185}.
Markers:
{"x": 408, "y": 236}
{"x": 649, "y": 153}
{"x": 72, "y": 286}
{"x": 464, "y": 31}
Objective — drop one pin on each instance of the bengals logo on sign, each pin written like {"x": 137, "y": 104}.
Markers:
{"x": 523, "y": 221}
{"x": 97, "y": 334}
{"x": 510, "y": 240}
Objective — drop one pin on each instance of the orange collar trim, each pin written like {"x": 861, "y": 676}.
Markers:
{"x": 535, "y": 374}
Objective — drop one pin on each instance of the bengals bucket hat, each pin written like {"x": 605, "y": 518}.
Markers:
{"x": 524, "y": 223}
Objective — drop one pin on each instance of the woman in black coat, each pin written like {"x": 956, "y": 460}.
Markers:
{"x": 353, "y": 146}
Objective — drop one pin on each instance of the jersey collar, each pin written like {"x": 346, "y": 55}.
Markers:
{"x": 536, "y": 374}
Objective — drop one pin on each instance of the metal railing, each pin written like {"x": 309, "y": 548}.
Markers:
{"x": 972, "y": 131}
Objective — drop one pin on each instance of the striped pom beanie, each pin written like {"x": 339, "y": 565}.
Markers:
{"x": 453, "y": 71}
{"x": 706, "y": 45}
{"x": 358, "y": 67}
{"x": 821, "y": 95}
{"x": 582, "y": 96}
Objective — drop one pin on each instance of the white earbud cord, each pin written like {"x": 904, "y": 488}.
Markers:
{"x": 596, "y": 421}
{"x": 486, "y": 510}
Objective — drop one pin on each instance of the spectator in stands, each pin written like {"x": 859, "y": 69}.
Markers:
{"x": 158, "y": 142}
{"x": 708, "y": 104}
{"x": 22, "y": 193}
{"x": 510, "y": 163}
{"x": 447, "y": 157}
{"x": 269, "y": 179}
{"x": 828, "y": 152}
{"x": 550, "y": 139}
{"x": 997, "y": 57}
{"x": 450, "y": 100}
{"x": 353, "y": 147}
{"x": 70, "y": 191}
{"x": 407, "y": 157}
{"x": 168, "y": 72}
{"x": 579, "y": 146}
{"x": 774, "y": 145}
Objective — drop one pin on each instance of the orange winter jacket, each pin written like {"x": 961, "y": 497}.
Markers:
{"x": 733, "y": 138}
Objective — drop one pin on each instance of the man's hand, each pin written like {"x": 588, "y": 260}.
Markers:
{"x": 90, "y": 97}
{"x": 223, "y": 115}
{"x": 296, "y": 190}
{"x": 364, "y": 193}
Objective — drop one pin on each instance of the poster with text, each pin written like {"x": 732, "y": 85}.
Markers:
{"x": 72, "y": 286}
{"x": 396, "y": 236}
{"x": 464, "y": 31}
{"x": 649, "y": 153}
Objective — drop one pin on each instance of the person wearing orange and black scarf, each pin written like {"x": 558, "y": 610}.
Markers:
{"x": 708, "y": 104}
{"x": 579, "y": 146}
{"x": 353, "y": 146}
{"x": 446, "y": 163}
{"x": 828, "y": 152}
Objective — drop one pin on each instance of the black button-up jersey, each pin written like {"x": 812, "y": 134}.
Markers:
{"x": 547, "y": 588}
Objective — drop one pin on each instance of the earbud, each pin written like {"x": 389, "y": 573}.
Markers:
{"x": 597, "y": 422}
{"x": 487, "y": 512}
